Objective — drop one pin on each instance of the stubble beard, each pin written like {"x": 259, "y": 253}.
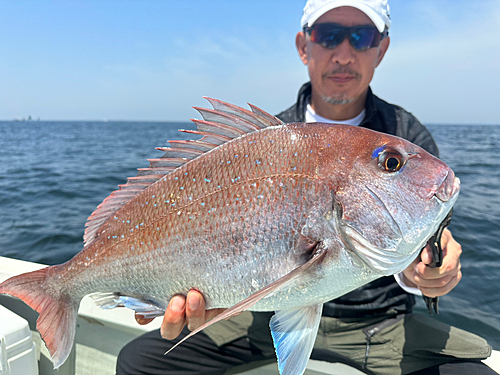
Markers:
{"x": 337, "y": 100}
{"x": 340, "y": 98}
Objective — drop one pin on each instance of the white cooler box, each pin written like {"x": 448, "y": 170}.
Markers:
{"x": 17, "y": 349}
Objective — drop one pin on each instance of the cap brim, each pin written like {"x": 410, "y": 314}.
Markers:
{"x": 374, "y": 17}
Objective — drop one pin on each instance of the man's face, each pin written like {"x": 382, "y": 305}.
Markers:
{"x": 340, "y": 75}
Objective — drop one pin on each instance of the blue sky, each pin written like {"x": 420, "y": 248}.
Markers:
{"x": 154, "y": 60}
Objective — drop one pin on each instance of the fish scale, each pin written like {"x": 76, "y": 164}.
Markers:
{"x": 257, "y": 215}
{"x": 170, "y": 218}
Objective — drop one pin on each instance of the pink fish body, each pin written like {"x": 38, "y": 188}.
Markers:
{"x": 256, "y": 215}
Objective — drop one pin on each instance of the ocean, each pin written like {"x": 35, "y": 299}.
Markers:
{"x": 54, "y": 174}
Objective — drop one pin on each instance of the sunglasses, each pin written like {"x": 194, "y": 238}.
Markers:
{"x": 330, "y": 35}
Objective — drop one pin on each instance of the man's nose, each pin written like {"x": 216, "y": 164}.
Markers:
{"x": 344, "y": 53}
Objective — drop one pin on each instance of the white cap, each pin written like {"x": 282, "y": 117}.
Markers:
{"x": 377, "y": 10}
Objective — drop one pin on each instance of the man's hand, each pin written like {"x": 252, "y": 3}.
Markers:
{"x": 179, "y": 313}
{"x": 435, "y": 282}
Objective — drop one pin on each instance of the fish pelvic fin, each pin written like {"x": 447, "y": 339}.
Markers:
{"x": 297, "y": 275}
{"x": 219, "y": 125}
{"x": 146, "y": 309}
{"x": 294, "y": 333}
{"x": 57, "y": 320}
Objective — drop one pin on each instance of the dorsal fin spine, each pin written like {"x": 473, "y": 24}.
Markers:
{"x": 219, "y": 125}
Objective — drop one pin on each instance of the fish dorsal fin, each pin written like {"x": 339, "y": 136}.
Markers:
{"x": 219, "y": 125}
{"x": 272, "y": 119}
{"x": 263, "y": 120}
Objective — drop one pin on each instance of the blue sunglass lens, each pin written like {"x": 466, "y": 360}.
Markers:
{"x": 362, "y": 39}
{"x": 331, "y": 35}
{"x": 328, "y": 37}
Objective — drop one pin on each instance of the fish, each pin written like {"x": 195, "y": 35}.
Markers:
{"x": 255, "y": 214}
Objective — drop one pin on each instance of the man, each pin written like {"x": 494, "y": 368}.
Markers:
{"x": 371, "y": 328}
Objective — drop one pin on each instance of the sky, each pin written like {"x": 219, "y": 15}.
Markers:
{"x": 153, "y": 60}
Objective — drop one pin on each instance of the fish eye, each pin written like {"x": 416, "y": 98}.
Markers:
{"x": 390, "y": 161}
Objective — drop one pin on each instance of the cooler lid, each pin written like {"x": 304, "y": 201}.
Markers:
{"x": 13, "y": 327}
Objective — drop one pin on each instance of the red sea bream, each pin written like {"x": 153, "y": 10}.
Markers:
{"x": 258, "y": 215}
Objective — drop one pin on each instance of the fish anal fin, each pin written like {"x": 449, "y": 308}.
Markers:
{"x": 57, "y": 320}
{"x": 296, "y": 275}
{"x": 294, "y": 333}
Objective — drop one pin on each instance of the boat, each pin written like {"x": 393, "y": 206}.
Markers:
{"x": 100, "y": 335}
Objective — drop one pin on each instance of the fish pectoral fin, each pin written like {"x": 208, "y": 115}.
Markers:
{"x": 248, "y": 302}
{"x": 294, "y": 333}
{"x": 145, "y": 308}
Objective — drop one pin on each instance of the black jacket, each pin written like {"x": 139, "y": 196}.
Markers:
{"x": 383, "y": 295}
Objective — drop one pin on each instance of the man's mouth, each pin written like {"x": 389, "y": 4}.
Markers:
{"x": 342, "y": 75}
{"x": 341, "y": 78}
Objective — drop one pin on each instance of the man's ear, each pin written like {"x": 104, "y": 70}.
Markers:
{"x": 384, "y": 46}
{"x": 301, "y": 44}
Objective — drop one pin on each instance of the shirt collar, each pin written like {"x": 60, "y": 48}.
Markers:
{"x": 312, "y": 116}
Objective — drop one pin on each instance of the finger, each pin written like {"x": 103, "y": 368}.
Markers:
{"x": 174, "y": 318}
{"x": 409, "y": 273}
{"x": 195, "y": 309}
{"x": 452, "y": 250}
{"x": 142, "y": 320}
{"x": 437, "y": 292}
{"x": 432, "y": 283}
{"x": 450, "y": 267}
{"x": 426, "y": 255}
{"x": 446, "y": 237}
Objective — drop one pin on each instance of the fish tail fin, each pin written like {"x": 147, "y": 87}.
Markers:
{"x": 58, "y": 312}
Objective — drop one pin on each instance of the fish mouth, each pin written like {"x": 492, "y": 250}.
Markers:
{"x": 448, "y": 188}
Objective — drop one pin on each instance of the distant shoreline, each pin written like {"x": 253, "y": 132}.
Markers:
{"x": 179, "y": 122}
